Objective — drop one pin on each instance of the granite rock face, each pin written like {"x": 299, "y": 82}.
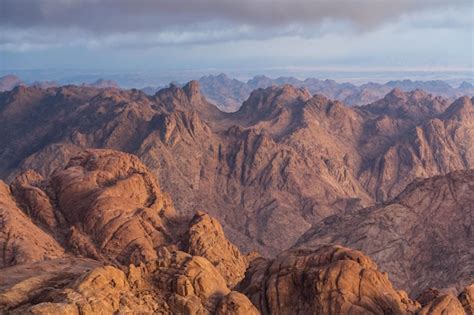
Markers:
{"x": 329, "y": 280}
{"x": 21, "y": 240}
{"x": 444, "y": 304}
{"x": 206, "y": 238}
{"x": 104, "y": 205}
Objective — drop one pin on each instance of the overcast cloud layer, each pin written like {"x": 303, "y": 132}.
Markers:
{"x": 127, "y": 15}
{"x": 233, "y": 27}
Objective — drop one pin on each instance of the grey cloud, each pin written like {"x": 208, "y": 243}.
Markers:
{"x": 112, "y": 16}
{"x": 139, "y": 24}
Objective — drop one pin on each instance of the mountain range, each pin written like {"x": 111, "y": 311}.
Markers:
{"x": 299, "y": 182}
{"x": 228, "y": 94}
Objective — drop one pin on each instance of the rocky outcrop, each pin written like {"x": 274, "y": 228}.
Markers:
{"x": 415, "y": 105}
{"x": 174, "y": 283}
{"x": 329, "y": 280}
{"x": 21, "y": 241}
{"x": 466, "y": 297}
{"x": 443, "y": 304}
{"x": 107, "y": 206}
{"x": 206, "y": 238}
{"x": 23, "y": 284}
{"x": 422, "y": 238}
{"x": 236, "y": 303}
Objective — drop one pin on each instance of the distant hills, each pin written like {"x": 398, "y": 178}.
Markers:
{"x": 228, "y": 94}
{"x": 10, "y": 81}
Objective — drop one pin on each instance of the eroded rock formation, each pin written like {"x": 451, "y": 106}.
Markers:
{"x": 329, "y": 280}
{"x": 107, "y": 206}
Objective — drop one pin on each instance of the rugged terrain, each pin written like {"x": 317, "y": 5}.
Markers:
{"x": 285, "y": 161}
{"x": 99, "y": 236}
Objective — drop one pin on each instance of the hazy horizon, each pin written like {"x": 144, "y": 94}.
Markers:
{"x": 140, "y": 79}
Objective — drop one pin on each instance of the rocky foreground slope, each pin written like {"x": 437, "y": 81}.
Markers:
{"x": 99, "y": 236}
{"x": 284, "y": 162}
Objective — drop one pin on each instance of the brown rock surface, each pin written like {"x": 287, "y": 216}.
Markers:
{"x": 415, "y": 105}
{"x": 236, "y": 303}
{"x": 174, "y": 283}
{"x": 21, "y": 240}
{"x": 466, "y": 297}
{"x": 437, "y": 146}
{"x": 23, "y": 283}
{"x": 9, "y": 82}
{"x": 105, "y": 204}
{"x": 427, "y": 296}
{"x": 329, "y": 280}
{"x": 444, "y": 304}
{"x": 114, "y": 201}
{"x": 206, "y": 238}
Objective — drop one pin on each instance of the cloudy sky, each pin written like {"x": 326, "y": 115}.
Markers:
{"x": 222, "y": 34}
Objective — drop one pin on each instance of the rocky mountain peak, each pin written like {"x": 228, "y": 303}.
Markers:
{"x": 268, "y": 102}
{"x": 460, "y": 109}
{"x": 188, "y": 97}
{"x": 396, "y": 93}
{"x": 413, "y": 105}
{"x": 192, "y": 89}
